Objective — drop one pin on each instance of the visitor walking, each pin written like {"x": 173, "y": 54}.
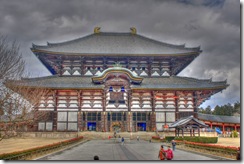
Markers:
{"x": 114, "y": 134}
{"x": 173, "y": 144}
{"x": 96, "y": 157}
{"x": 122, "y": 141}
{"x": 162, "y": 153}
{"x": 238, "y": 157}
{"x": 138, "y": 138}
{"x": 169, "y": 154}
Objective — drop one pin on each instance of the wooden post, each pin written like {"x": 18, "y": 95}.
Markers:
{"x": 85, "y": 121}
{"x": 55, "y": 113}
{"x": 177, "y": 116}
{"x": 153, "y": 120}
{"x": 235, "y": 127}
{"x": 104, "y": 114}
{"x": 79, "y": 112}
{"x": 223, "y": 126}
{"x": 194, "y": 105}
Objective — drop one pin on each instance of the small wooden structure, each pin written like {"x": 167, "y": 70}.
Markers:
{"x": 188, "y": 125}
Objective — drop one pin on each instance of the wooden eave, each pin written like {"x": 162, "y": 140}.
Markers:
{"x": 90, "y": 54}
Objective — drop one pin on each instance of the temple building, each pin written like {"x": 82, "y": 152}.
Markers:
{"x": 109, "y": 81}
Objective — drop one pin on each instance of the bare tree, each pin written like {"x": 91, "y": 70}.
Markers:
{"x": 12, "y": 64}
{"x": 17, "y": 100}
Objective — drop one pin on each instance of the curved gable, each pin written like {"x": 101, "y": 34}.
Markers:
{"x": 116, "y": 72}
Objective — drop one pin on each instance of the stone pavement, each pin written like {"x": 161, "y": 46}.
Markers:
{"x": 110, "y": 150}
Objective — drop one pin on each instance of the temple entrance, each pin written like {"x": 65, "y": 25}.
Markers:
{"x": 141, "y": 126}
{"x": 116, "y": 127}
{"x": 91, "y": 126}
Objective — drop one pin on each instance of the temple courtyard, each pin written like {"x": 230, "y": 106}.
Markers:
{"x": 107, "y": 149}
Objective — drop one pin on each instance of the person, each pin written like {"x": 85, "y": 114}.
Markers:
{"x": 161, "y": 153}
{"x": 122, "y": 141}
{"x": 169, "y": 154}
{"x": 114, "y": 134}
{"x": 238, "y": 157}
{"x": 96, "y": 157}
{"x": 138, "y": 138}
{"x": 173, "y": 144}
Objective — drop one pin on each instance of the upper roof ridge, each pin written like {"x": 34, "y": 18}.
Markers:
{"x": 180, "y": 46}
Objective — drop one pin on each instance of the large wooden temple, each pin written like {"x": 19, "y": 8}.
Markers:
{"x": 117, "y": 81}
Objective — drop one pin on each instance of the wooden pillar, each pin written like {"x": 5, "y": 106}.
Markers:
{"x": 194, "y": 105}
{"x": 136, "y": 121}
{"x": 79, "y": 126}
{"x": 129, "y": 121}
{"x": 182, "y": 132}
{"x": 104, "y": 113}
{"x": 110, "y": 128}
{"x": 153, "y": 118}
{"x": 55, "y": 113}
{"x": 129, "y": 118}
{"x": 223, "y": 126}
{"x": 85, "y": 121}
{"x": 235, "y": 127}
{"x": 105, "y": 121}
{"x": 79, "y": 111}
{"x": 211, "y": 125}
{"x": 177, "y": 115}
{"x": 198, "y": 132}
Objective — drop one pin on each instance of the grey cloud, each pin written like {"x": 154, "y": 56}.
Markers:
{"x": 214, "y": 25}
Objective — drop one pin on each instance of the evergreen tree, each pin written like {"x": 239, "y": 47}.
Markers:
{"x": 208, "y": 110}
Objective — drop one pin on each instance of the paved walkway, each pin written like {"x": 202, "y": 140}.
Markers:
{"x": 109, "y": 150}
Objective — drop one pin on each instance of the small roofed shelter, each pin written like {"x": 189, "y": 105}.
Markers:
{"x": 188, "y": 125}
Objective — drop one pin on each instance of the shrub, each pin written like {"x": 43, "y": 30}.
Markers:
{"x": 155, "y": 137}
{"x": 198, "y": 139}
{"x": 234, "y": 134}
{"x": 169, "y": 138}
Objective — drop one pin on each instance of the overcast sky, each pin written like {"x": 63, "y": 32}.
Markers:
{"x": 212, "y": 24}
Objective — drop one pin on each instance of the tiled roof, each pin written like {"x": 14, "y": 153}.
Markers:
{"x": 56, "y": 82}
{"x": 78, "y": 82}
{"x": 219, "y": 118}
{"x": 115, "y": 43}
{"x": 184, "y": 121}
{"x": 178, "y": 82}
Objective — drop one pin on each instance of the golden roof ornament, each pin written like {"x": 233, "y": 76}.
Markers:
{"x": 117, "y": 64}
{"x": 133, "y": 30}
{"x": 97, "y": 30}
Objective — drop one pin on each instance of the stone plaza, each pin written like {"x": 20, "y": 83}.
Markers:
{"x": 113, "y": 150}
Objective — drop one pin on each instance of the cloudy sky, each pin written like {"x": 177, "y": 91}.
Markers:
{"x": 212, "y": 24}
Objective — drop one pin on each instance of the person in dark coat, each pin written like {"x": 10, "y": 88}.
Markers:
{"x": 238, "y": 156}
{"x": 173, "y": 144}
{"x": 96, "y": 157}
